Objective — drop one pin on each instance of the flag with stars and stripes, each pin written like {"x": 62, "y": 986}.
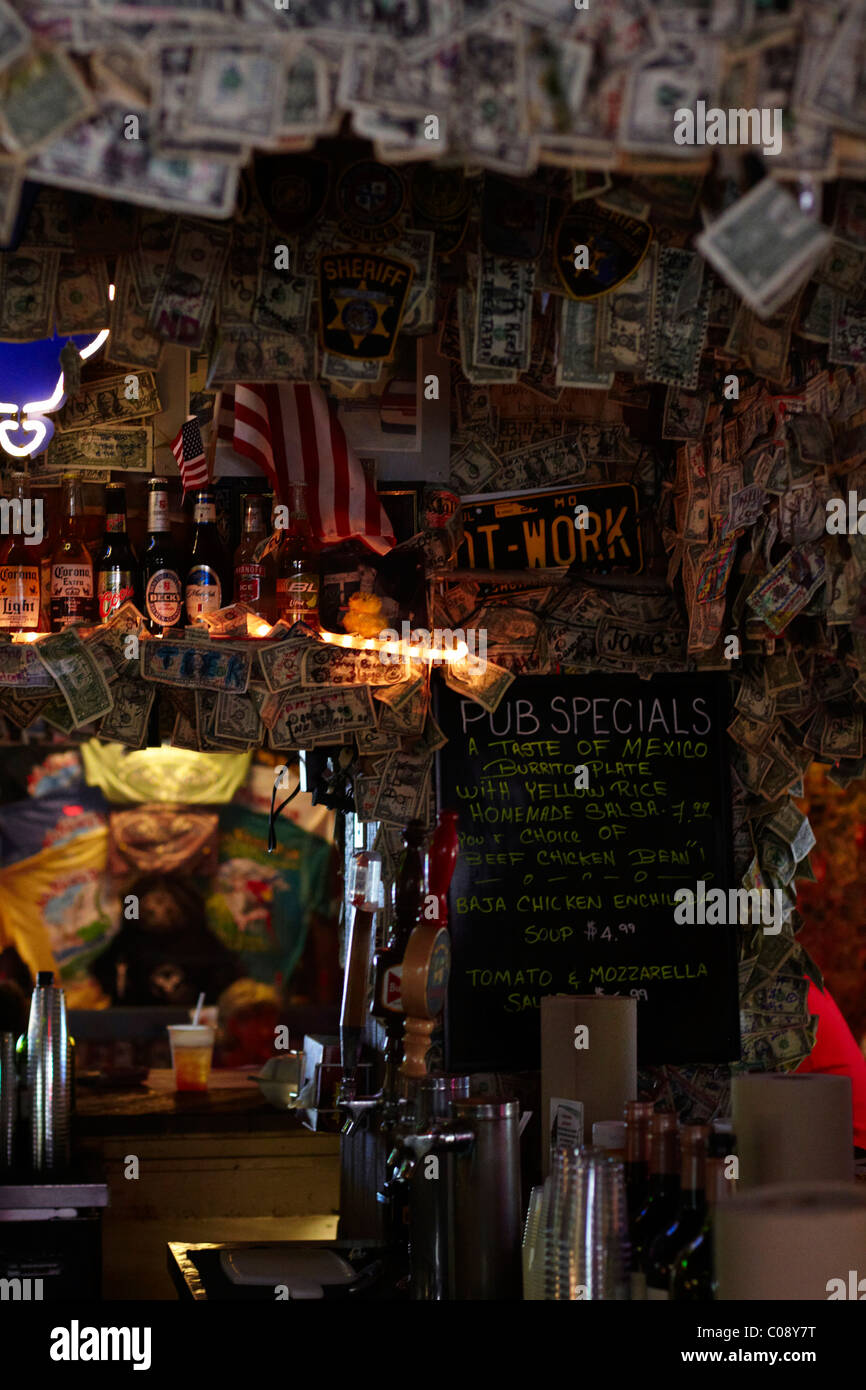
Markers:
{"x": 188, "y": 450}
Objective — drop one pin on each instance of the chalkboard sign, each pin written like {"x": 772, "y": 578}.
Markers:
{"x": 566, "y": 888}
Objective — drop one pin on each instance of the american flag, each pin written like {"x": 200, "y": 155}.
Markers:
{"x": 289, "y": 431}
{"x": 188, "y": 450}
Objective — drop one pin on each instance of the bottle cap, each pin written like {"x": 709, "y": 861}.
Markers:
{"x": 44, "y": 978}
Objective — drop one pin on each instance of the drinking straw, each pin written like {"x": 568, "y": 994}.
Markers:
{"x": 198, "y": 1009}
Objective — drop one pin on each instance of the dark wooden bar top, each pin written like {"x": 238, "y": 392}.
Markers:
{"x": 232, "y": 1104}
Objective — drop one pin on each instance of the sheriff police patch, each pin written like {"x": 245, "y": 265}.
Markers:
{"x": 362, "y": 297}
{"x": 597, "y": 248}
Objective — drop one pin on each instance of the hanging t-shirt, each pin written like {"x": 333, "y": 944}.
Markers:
{"x": 58, "y": 908}
{"x": 42, "y": 822}
{"x": 261, "y": 905}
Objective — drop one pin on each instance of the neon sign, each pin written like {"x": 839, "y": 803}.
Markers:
{"x": 32, "y": 386}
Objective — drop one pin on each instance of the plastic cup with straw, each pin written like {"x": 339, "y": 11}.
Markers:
{"x": 191, "y": 1051}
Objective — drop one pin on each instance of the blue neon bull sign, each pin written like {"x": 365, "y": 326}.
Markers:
{"x": 32, "y": 387}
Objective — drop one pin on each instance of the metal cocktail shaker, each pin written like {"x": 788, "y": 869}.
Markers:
{"x": 48, "y": 1076}
{"x": 487, "y": 1201}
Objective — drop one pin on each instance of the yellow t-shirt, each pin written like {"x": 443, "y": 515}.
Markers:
{"x": 59, "y": 908}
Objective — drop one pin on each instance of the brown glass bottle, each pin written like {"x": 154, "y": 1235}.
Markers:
{"x": 663, "y": 1194}
{"x": 255, "y": 578}
{"x": 204, "y": 586}
{"x": 638, "y": 1114}
{"x": 160, "y": 575}
{"x": 690, "y": 1213}
{"x": 72, "y": 590}
{"x": 298, "y": 565}
{"x": 116, "y": 567}
{"x": 19, "y": 563}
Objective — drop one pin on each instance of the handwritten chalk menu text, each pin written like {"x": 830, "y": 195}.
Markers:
{"x": 584, "y": 803}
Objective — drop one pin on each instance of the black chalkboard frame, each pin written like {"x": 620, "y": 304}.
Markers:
{"x": 523, "y": 1050}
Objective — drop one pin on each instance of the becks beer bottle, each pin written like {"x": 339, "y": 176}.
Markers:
{"x": 116, "y": 567}
{"x": 161, "y": 580}
{"x": 72, "y": 590}
{"x": 19, "y": 566}
{"x": 204, "y": 583}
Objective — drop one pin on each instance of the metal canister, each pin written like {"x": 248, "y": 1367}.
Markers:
{"x": 487, "y": 1201}
{"x": 8, "y": 1101}
{"x": 431, "y": 1196}
{"x": 48, "y": 1076}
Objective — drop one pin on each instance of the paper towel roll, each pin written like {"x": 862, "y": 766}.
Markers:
{"x": 600, "y": 1076}
{"x": 789, "y": 1241}
{"x": 793, "y": 1128}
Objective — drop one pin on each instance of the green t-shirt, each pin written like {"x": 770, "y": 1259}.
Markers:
{"x": 261, "y": 904}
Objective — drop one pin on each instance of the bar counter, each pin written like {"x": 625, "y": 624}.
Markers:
{"x": 218, "y": 1166}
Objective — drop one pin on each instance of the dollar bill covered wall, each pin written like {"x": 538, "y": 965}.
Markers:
{"x": 622, "y": 302}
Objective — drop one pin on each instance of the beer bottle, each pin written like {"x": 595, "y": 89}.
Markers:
{"x": 692, "y": 1277}
{"x": 663, "y": 1195}
{"x": 72, "y": 596}
{"x": 161, "y": 581}
{"x": 638, "y": 1114}
{"x": 19, "y": 564}
{"x": 204, "y": 586}
{"x": 298, "y": 565}
{"x": 255, "y": 579}
{"x": 689, "y": 1217}
{"x": 116, "y": 567}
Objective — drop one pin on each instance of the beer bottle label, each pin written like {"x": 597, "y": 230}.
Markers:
{"x": 248, "y": 583}
{"x": 204, "y": 592}
{"x": 163, "y": 598}
{"x": 19, "y": 597}
{"x": 115, "y": 522}
{"x": 71, "y": 593}
{"x": 298, "y": 593}
{"x": 204, "y": 511}
{"x": 113, "y": 588}
{"x": 157, "y": 512}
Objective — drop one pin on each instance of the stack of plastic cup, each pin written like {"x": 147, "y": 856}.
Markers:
{"x": 585, "y": 1228}
{"x": 48, "y": 1076}
{"x": 8, "y": 1101}
{"x": 533, "y": 1247}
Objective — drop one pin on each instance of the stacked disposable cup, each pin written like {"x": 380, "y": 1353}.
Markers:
{"x": 585, "y": 1227}
{"x": 48, "y": 1076}
{"x": 8, "y": 1101}
{"x": 533, "y": 1246}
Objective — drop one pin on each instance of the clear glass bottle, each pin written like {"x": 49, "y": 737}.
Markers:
{"x": 20, "y": 593}
{"x": 72, "y": 586}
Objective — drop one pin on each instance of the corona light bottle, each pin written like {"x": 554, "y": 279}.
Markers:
{"x": 298, "y": 565}
{"x": 204, "y": 588}
{"x": 161, "y": 580}
{"x": 19, "y": 572}
{"x": 117, "y": 567}
{"x": 72, "y": 590}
